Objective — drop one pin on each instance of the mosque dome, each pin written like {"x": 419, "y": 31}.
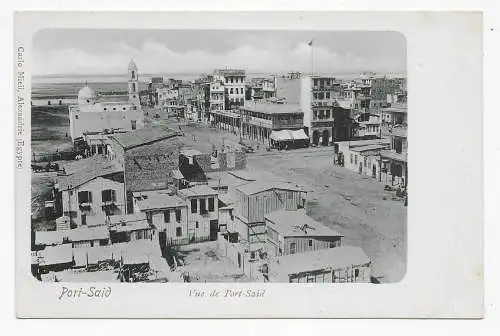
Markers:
{"x": 86, "y": 95}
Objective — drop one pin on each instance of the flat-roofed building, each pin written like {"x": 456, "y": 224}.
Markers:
{"x": 202, "y": 212}
{"x": 260, "y": 119}
{"x": 167, "y": 213}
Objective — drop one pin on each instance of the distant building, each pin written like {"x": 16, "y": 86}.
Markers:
{"x": 327, "y": 114}
{"x": 363, "y": 156}
{"x": 260, "y": 119}
{"x": 261, "y": 88}
{"x": 395, "y": 160}
{"x": 234, "y": 86}
{"x": 94, "y": 114}
{"x": 290, "y": 232}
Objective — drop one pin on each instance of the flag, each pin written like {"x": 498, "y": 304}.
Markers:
{"x": 310, "y": 43}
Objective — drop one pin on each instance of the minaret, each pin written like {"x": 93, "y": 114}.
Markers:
{"x": 133, "y": 83}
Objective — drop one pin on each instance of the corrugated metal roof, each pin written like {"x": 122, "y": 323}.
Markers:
{"x": 330, "y": 258}
{"x": 259, "y": 186}
{"x": 297, "y": 224}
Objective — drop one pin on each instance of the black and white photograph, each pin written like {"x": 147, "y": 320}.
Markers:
{"x": 248, "y": 165}
{"x": 219, "y": 156}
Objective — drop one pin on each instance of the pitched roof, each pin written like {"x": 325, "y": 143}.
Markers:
{"x": 86, "y": 170}
{"x": 259, "y": 186}
{"x": 272, "y": 108}
{"x": 330, "y": 258}
{"x": 144, "y": 136}
{"x": 129, "y": 222}
{"x": 297, "y": 224}
{"x": 49, "y": 237}
{"x": 198, "y": 190}
{"x": 157, "y": 200}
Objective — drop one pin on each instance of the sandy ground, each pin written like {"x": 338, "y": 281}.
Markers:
{"x": 204, "y": 264}
{"x": 354, "y": 205}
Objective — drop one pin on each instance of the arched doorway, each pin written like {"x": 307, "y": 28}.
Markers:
{"x": 315, "y": 137}
{"x": 325, "y": 138}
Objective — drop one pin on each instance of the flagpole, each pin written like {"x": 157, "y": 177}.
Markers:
{"x": 312, "y": 57}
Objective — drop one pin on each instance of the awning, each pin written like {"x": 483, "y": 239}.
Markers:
{"x": 299, "y": 135}
{"x": 283, "y": 135}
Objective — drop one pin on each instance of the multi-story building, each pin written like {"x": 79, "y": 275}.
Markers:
{"x": 167, "y": 213}
{"x": 202, "y": 212}
{"x": 395, "y": 161}
{"x": 260, "y": 119}
{"x": 261, "y": 88}
{"x": 234, "y": 86}
{"x": 92, "y": 187}
{"x": 327, "y": 116}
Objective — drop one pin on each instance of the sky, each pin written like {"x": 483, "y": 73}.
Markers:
{"x": 108, "y": 52}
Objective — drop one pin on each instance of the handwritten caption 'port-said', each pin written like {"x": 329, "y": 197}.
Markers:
{"x": 227, "y": 293}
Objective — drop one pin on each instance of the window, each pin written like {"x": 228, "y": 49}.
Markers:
{"x": 356, "y": 272}
{"x": 352, "y": 158}
{"x": 84, "y": 219}
{"x": 178, "y": 232}
{"x": 194, "y": 206}
{"x": 149, "y": 217}
{"x": 105, "y": 109}
{"x": 231, "y": 90}
{"x": 310, "y": 242}
{"x": 327, "y": 95}
{"x": 166, "y": 216}
{"x": 293, "y": 247}
{"x": 237, "y": 90}
{"x": 197, "y": 225}
{"x": 84, "y": 197}
{"x": 203, "y": 206}
{"x": 99, "y": 149}
{"x": 211, "y": 204}
{"x": 133, "y": 124}
{"x": 232, "y": 80}
{"x": 108, "y": 195}
{"x": 178, "y": 215}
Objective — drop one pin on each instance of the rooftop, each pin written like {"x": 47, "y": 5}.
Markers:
{"x": 84, "y": 233}
{"x": 53, "y": 255}
{"x": 272, "y": 108}
{"x": 330, "y": 258}
{"x": 85, "y": 170}
{"x": 144, "y": 136}
{"x": 157, "y": 200}
{"x": 260, "y": 186}
{"x": 297, "y": 224}
{"x": 130, "y": 222}
{"x": 198, "y": 190}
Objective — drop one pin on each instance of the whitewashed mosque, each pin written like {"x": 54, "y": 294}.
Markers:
{"x": 94, "y": 117}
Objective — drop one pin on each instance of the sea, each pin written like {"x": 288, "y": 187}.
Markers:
{"x": 69, "y": 85}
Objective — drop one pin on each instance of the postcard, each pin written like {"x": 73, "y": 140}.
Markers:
{"x": 244, "y": 164}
